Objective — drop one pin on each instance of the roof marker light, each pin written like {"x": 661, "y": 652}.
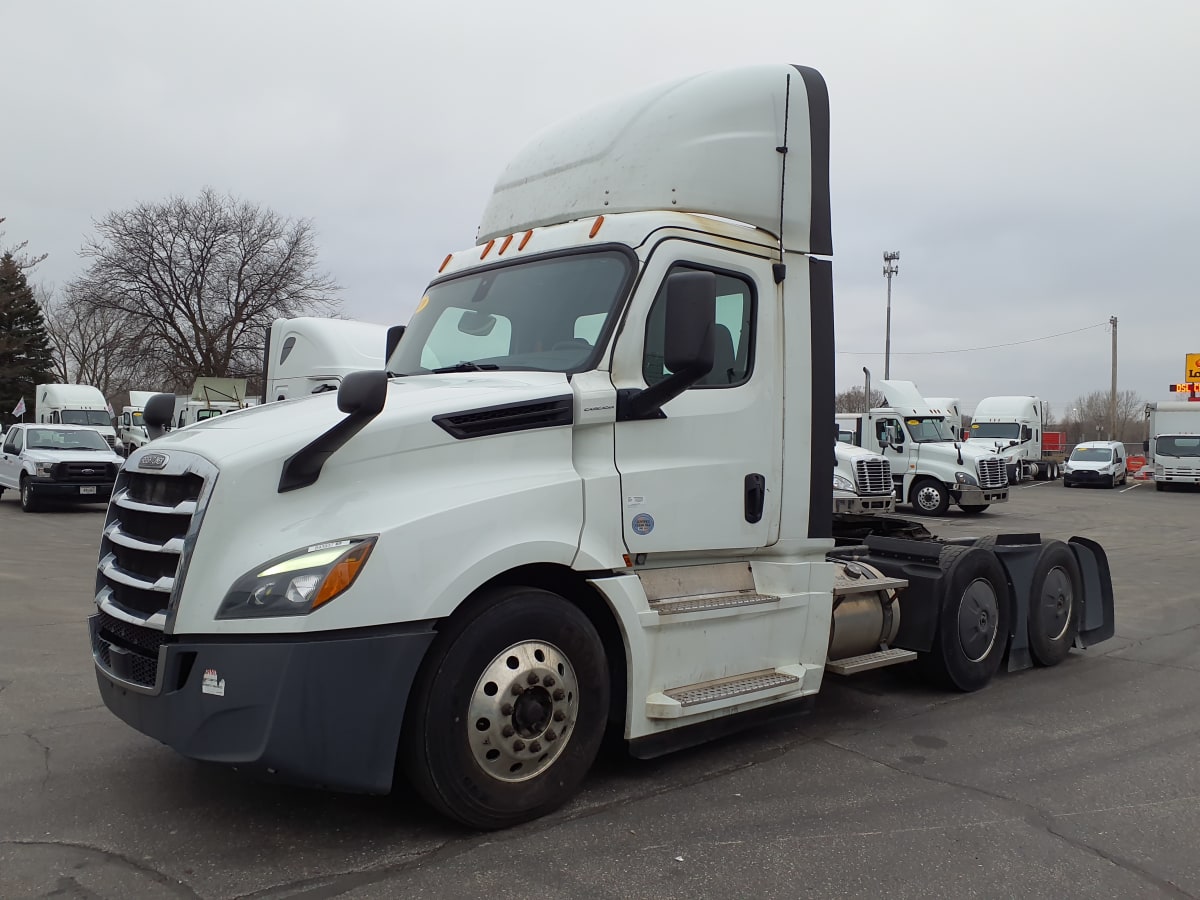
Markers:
{"x": 504, "y": 246}
{"x": 488, "y": 248}
{"x": 445, "y": 262}
{"x": 525, "y": 240}
{"x": 596, "y": 226}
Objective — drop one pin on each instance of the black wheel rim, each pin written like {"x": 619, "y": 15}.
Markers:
{"x": 1056, "y": 601}
{"x": 978, "y": 616}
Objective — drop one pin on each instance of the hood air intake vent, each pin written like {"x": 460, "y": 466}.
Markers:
{"x": 508, "y": 417}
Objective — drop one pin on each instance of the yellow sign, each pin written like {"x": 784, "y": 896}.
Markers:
{"x": 1193, "y": 368}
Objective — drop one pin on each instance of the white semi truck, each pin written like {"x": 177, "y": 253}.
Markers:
{"x": 950, "y": 409}
{"x": 309, "y": 355}
{"x": 862, "y": 482}
{"x": 74, "y": 404}
{"x": 931, "y": 469}
{"x": 1015, "y": 428}
{"x": 131, "y": 431}
{"x": 1173, "y": 443}
{"x": 606, "y": 508}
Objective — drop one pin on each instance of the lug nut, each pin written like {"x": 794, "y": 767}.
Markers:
{"x": 558, "y": 715}
{"x": 551, "y": 735}
{"x": 506, "y": 709}
{"x": 531, "y": 678}
{"x": 507, "y": 731}
{"x": 517, "y": 690}
{"x": 518, "y": 746}
{"x": 548, "y": 681}
{"x": 535, "y": 747}
{"x": 559, "y": 694}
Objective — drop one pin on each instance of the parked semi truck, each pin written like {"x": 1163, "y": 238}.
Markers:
{"x": 74, "y": 404}
{"x": 1173, "y": 443}
{"x": 309, "y": 355}
{"x": 1015, "y": 427}
{"x": 931, "y": 469}
{"x": 589, "y": 494}
{"x": 131, "y": 431}
{"x": 950, "y": 409}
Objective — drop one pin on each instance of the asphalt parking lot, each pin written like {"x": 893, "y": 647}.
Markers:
{"x": 1077, "y": 781}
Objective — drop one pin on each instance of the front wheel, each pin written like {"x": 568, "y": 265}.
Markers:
{"x": 508, "y": 711}
{"x": 972, "y": 509}
{"x": 930, "y": 497}
{"x": 29, "y": 503}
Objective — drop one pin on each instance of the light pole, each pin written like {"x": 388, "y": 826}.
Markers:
{"x": 889, "y": 269}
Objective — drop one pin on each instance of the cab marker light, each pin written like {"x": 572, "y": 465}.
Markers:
{"x": 525, "y": 240}
{"x": 504, "y": 246}
{"x": 488, "y": 248}
{"x": 445, "y": 262}
{"x": 596, "y": 226}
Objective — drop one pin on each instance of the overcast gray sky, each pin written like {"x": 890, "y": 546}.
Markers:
{"x": 1035, "y": 164}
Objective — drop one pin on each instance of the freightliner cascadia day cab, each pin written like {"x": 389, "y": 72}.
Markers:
{"x": 1015, "y": 427}
{"x": 931, "y": 468}
{"x": 590, "y": 493}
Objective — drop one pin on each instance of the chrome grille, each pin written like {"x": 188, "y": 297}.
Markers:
{"x": 873, "y": 476}
{"x": 143, "y": 547}
{"x": 992, "y": 472}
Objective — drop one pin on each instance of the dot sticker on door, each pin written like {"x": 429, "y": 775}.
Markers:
{"x": 643, "y": 523}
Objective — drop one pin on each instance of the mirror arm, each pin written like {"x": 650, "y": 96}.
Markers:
{"x": 647, "y": 403}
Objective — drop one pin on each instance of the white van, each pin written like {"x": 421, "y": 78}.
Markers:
{"x": 1096, "y": 462}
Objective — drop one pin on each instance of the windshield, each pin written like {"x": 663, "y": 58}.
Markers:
{"x": 547, "y": 315}
{"x": 1177, "y": 445}
{"x": 55, "y": 439}
{"x": 84, "y": 417}
{"x": 1005, "y": 430}
{"x": 1091, "y": 454}
{"x": 202, "y": 414}
{"x": 924, "y": 429}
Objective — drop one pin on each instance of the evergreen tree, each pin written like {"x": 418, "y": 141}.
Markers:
{"x": 25, "y": 358}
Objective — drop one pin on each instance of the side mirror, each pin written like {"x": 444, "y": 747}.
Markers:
{"x": 691, "y": 321}
{"x": 159, "y": 411}
{"x": 393, "y": 341}
{"x": 363, "y": 393}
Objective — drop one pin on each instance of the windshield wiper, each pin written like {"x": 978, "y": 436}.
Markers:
{"x": 467, "y": 366}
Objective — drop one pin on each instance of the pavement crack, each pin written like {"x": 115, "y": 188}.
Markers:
{"x": 1035, "y": 817}
{"x": 45, "y": 757}
{"x": 177, "y": 887}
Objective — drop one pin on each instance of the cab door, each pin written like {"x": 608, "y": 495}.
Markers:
{"x": 706, "y": 475}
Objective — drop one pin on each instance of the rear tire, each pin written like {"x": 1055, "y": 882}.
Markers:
{"x": 929, "y": 497}
{"x": 29, "y": 503}
{"x": 1055, "y": 595}
{"x": 508, "y": 710}
{"x": 973, "y": 623}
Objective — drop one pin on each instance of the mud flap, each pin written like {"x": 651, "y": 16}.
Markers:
{"x": 1097, "y": 622}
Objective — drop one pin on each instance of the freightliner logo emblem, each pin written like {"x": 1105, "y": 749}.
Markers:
{"x": 153, "y": 461}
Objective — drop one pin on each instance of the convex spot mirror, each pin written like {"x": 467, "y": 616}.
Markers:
{"x": 159, "y": 411}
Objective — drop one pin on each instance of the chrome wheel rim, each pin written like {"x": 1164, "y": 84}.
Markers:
{"x": 522, "y": 711}
{"x": 978, "y": 618}
{"x": 929, "y": 498}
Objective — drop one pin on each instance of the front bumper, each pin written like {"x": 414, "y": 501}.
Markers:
{"x": 319, "y": 709}
{"x": 864, "y": 506}
{"x": 1089, "y": 476}
{"x": 973, "y": 495}
{"x": 85, "y": 492}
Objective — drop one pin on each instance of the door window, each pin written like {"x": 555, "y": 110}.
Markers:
{"x": 733, "y": 355}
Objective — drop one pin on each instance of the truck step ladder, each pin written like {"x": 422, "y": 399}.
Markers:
{"x": 692, "y": 699}
{"x": 853, "y": 665}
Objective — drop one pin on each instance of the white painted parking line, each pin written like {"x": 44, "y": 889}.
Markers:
{"x": 1025, "y": 487}
{"x": 1136, "y": 484}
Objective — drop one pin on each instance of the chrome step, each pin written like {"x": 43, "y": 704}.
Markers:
{"x": 710, "y": 602}
{"x": 695, "y": 699}
{"x": 845, "y": 584}
{"x": 852, "y": 665}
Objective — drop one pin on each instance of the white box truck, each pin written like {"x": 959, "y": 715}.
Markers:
{"x": 931, "y": 469}
{"x": 1173, "y": 443}
{"x": 1015, "y": 428}
{"x": 590, "y": 494}
{"x": 74, "y": 404}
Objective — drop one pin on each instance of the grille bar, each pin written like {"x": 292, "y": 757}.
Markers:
{"x": 183, "y": 508}
{"x": 873, "y": 476}
{"x": 993, "y": 472}
{"x": 115, "y": 534}
{"x": 108, "y": 568}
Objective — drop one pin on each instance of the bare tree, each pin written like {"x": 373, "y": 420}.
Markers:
{"x": 1088, "y": 419}
{"x": 851, "y": 401}
{"x": 198, "y": 281}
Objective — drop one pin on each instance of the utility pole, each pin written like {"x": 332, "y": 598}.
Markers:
{"x": 889, "y": 269}
{"x": 1112, "y": 400}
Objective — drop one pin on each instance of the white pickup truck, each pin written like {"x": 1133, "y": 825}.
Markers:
{"x": 70, "y": 463}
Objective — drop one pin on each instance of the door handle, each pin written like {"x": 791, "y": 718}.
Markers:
{"x": 756, "y": 497}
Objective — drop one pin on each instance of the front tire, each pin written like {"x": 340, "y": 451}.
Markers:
{"x": 929, "y": 497}
{"x": 508, "y": 710}
{"x": 29, "y": 503}
{"x": 973, "y": 509}
{"x": 973, "y": 623}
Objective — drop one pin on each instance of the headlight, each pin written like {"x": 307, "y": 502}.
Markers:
{"x": 964, "y": 478}
{"x": 842, "y": 484}
{"x": 297, "y": 583}
{"x": 43, "y": 470}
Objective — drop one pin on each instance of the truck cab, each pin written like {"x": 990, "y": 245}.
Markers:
{"x": 1014, "y": 427}
{"x": 862, "y": 482}
{"x": 74, "y": 404}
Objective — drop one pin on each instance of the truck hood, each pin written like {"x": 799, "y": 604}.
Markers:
{"x": 57, "y": 456}
{"x": 277, "y": 430}
{"x": 945, "y": 450}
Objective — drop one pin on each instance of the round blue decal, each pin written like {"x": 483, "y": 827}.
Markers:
{"x": 643, "y": 523}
